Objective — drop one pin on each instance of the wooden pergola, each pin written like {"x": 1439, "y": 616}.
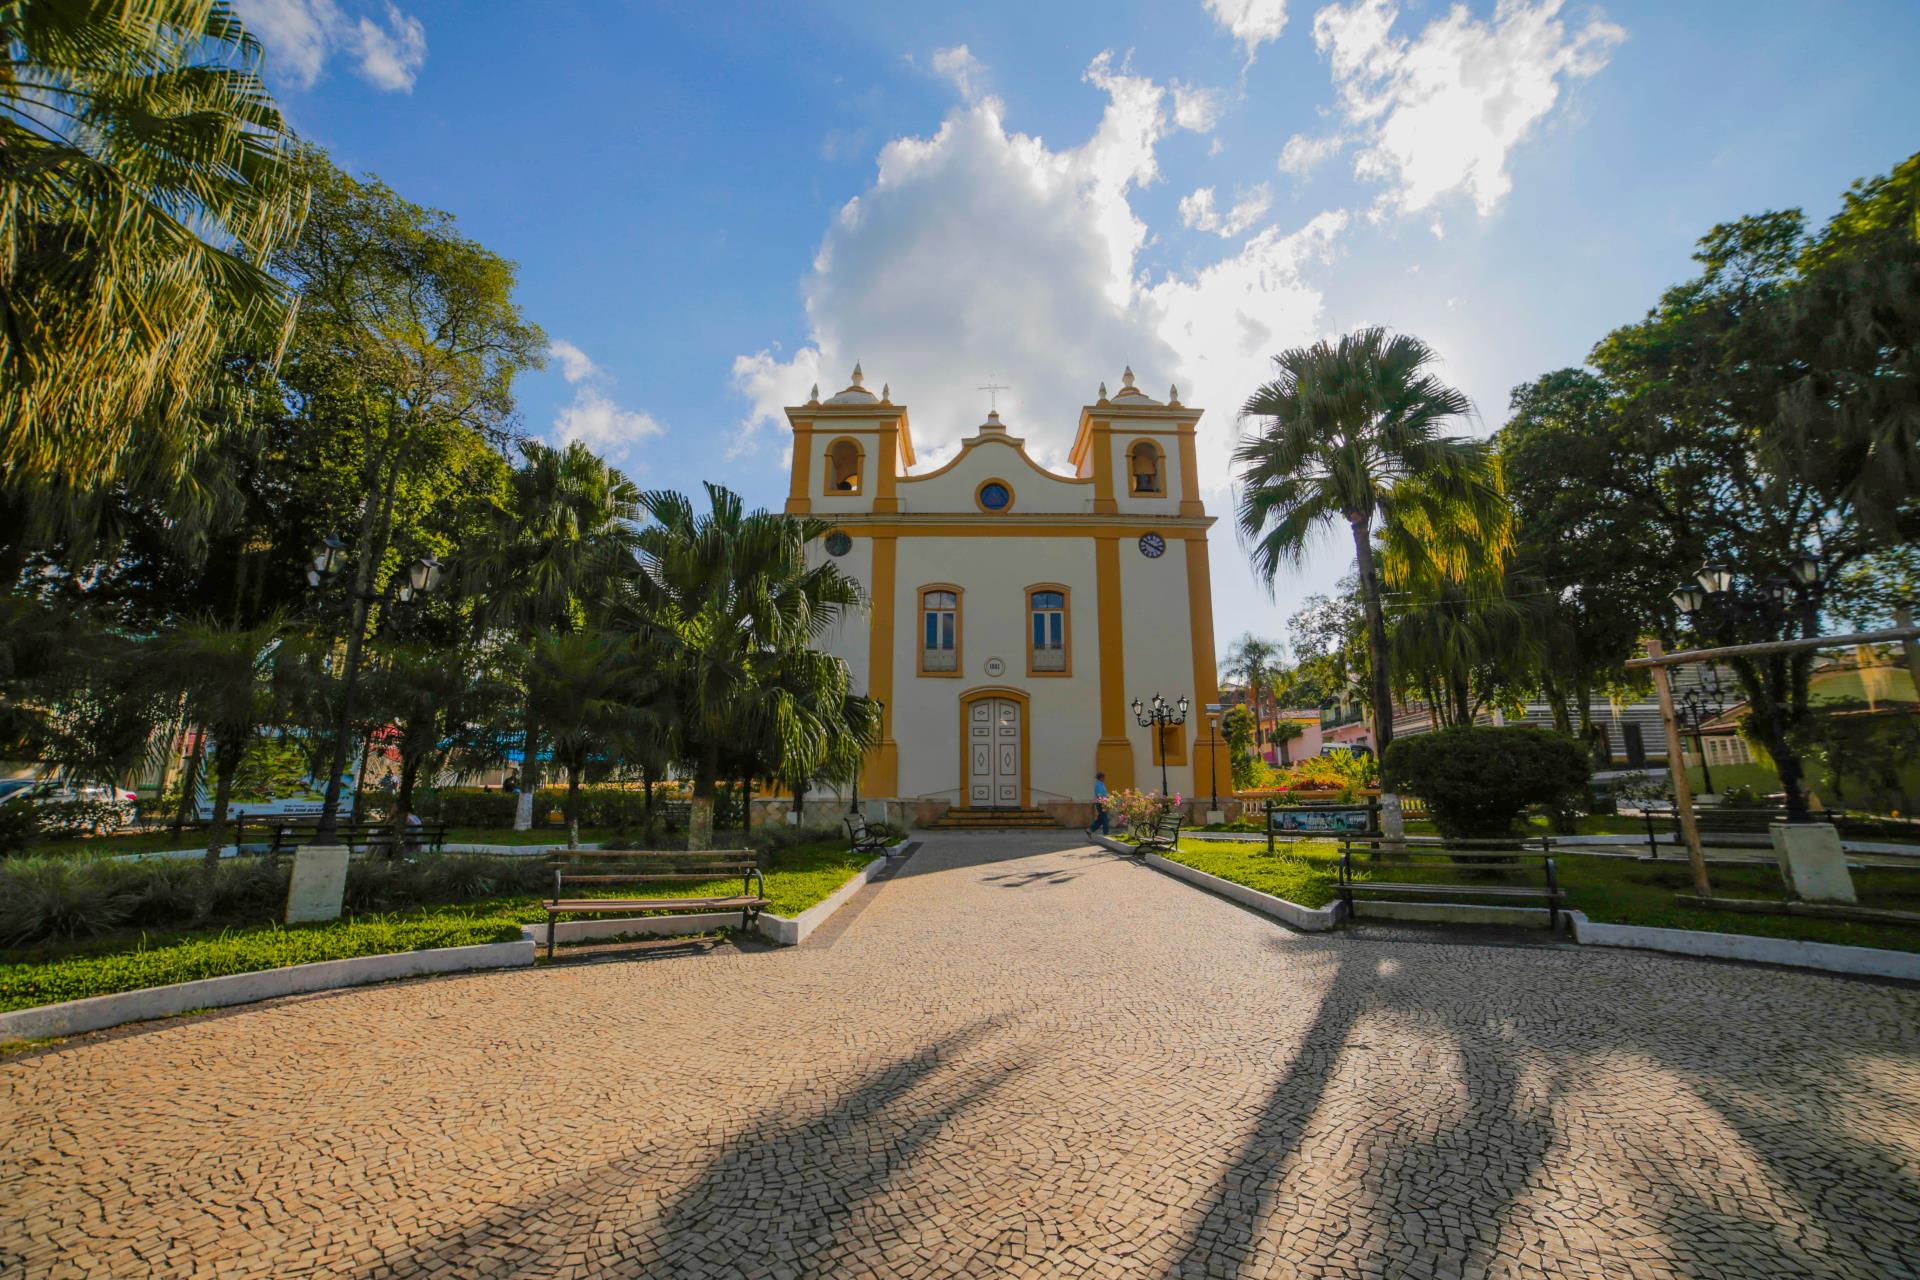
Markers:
{"x": 1658, "y": 661}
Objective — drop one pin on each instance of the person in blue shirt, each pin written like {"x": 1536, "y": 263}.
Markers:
{"x": 1099, "y": 806}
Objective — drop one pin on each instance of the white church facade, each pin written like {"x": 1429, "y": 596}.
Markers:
{"x": 1016, "y": 613}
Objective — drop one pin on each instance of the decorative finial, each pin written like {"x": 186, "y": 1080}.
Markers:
{"x": 1126, "y": 378}
{"x": 858, "y": 377}
{"x": 1173, "y": 394}
{"x": 886, "y": 392}
{"x": 813, "y": 396}
{"x": 993, "y": 420}
{"x": 1103, "y": 393}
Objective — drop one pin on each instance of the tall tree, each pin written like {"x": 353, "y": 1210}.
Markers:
{"x": 1255, "y": 662}
{"x": 561, "y": 544}
{"x": 1353, "y": 432}
{"x": 736, "y": 610}
{"x": 146, "y": 181}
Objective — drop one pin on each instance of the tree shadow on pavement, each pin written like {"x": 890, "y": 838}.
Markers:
{"x": 777, "y": 1198}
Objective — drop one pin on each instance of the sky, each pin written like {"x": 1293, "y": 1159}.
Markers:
{"x": 715, "y": 205}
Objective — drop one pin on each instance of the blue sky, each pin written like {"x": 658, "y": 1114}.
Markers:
{"x": 714, "y": 205}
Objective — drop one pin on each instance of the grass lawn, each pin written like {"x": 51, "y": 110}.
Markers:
{"x": 797, "y": 877}
{"x": 1609, "y": 890}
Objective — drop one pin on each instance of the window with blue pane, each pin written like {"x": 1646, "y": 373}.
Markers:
{"x": 1047, "y": 614}
{"x": 939, "y": 631}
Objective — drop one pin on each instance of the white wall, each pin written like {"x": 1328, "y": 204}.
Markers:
{"x": 849, "y": 639}
{"x": 995, "y": 457}
{"x": 995, "y": 572}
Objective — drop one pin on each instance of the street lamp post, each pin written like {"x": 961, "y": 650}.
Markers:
{"x": 1693, "y": 709}
{"x": 1772, "y": 605}
{"x": 1159, "y": 715}
{"x": 423, "y": 575}
{"x": 1213, "y": 718}
{"x": 853, "y": 805}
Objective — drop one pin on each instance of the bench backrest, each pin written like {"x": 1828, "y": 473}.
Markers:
{"x": 651, "y": 864}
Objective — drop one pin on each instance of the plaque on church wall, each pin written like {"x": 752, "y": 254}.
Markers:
{"x": 995, "y": 667}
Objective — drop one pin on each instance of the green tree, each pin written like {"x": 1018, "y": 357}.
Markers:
{"x": 560, "y": 547}
{"x": 589, "y": 691}
{"x": 1236, "y": 726}
{"x": 1353, "y": 433}
{"x": 146, "y": 180}
{"x": 1255, "y": 663}
{"x": 735, "y": 609}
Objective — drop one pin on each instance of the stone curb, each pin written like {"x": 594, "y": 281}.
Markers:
{"x": 1828, "y": 957}
{"x": 1454, "y": 913}
{"x": 94, "y": 1013}
{"x": 1306, "y": 919}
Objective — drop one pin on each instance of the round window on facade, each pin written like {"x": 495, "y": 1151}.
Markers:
{"x": 994, "y": 495}
{"x": 839, "y": 543}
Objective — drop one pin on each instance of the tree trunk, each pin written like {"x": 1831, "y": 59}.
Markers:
{"x": 403, "y": 801}
{"x": 226, "y": 763}
{"x": 700, "y": 810}
{"x": 573, "y": 806}
{"x": 529, "y": 773}
{"x": 190, "y": 781}
{"x": 1376, "y": 633}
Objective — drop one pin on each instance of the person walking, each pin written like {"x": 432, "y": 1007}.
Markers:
{"x": 1099, "y": 806}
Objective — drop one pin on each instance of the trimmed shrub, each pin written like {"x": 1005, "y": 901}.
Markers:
{"x": 1478, "y": 781}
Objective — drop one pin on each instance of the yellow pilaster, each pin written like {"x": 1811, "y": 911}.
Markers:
{"x": 880, "y": 775}
{"x": 1101, "y": 442}
{"x": 799, "y": 497}
{"x": 1189, "y": 475}
{"x": 1210, "y": 750}
{"x": 884, "y": 498}
{"x": 1113, "y": 755}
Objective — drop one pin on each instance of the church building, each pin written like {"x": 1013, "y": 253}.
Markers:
{"x": 1017, "y": 613}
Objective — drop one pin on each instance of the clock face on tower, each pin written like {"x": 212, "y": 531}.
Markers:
{"x": 1152, "y": 545}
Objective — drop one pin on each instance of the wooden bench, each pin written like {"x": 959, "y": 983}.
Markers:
{"x": 651, "y": 866}
{"x": 866, "y": 837}
{"x": 359, "y": 837}
{"x": 1464, "y": 855}
{"x": 1164, "y": 835}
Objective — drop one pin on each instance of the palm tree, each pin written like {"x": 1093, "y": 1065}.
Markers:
{"x": 1252, "y": 660}
{"x": 559, "y": 549}
{"x": 729, "y": 598}
{"x": 146, "y": 178}
{"x": 589, "y": 691}
{"x": 1353, "y": 433}
{"x": 230, "y": 676}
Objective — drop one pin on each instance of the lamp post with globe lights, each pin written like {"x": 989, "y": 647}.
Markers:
{"x": 1157, "y": 715}
{"x": 1717, "y": 605}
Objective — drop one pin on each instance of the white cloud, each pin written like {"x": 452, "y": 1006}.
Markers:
{"x": 300, "y": 36}
{"x": 575, "y": 364}
{"x": 1302, "y": 155}
{"x": 980, "y": 249}
{"x": 1253, "y": 22}
{"x": 960, "y": 66}
{"x": 1195, "y": 107}
{"x": 1441, "y": 113}
{"x": 1197, "y": 211}
{"x": 593, "y": 417}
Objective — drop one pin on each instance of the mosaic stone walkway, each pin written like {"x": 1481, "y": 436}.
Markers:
{"x": 1020, "y": 1058}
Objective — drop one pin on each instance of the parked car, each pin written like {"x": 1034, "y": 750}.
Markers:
{"x": 69, "y": 808}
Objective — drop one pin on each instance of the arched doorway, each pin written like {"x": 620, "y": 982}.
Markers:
{"x": 994, "y": 759}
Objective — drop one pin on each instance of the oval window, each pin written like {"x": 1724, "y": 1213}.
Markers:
{"x": 839, "y": 543}
{"x": 995, "y": 496}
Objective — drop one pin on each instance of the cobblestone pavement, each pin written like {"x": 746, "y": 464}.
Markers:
{"x": 1018, "y": 1059}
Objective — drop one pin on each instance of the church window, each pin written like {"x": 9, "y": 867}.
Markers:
{"x": 1047, "y": 631}
{"x": 843, "y": 467}
{"x": 939, "y": 631}
{"x": 1144, "y": 467}
{"x": 994, "y": 495}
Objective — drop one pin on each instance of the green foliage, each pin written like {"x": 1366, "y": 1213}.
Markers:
{"x": 19, "y": 826}
{"x": 1302, "y": 871}
{"x": 148, "y": 179}
{"x": 271, "y": 947}
{"x": 273, "y": 768}
{"x": 1236, "y": 726}
{"x": 1478, "y": 781}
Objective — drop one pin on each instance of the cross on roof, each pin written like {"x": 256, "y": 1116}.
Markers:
{"x": 993, "y": 390}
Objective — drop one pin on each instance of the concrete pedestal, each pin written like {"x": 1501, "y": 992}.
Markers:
{"x": 1216, "y": 817}
{"x": 1811, "y": 861}
{"x": 1392, "y": 824}
{"x": 319, "y": 883}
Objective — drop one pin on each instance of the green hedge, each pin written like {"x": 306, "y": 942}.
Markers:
{"x": 620, "y": 807}
{"x": 272, "y": 947}
{"x": 1478, "y": 781}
